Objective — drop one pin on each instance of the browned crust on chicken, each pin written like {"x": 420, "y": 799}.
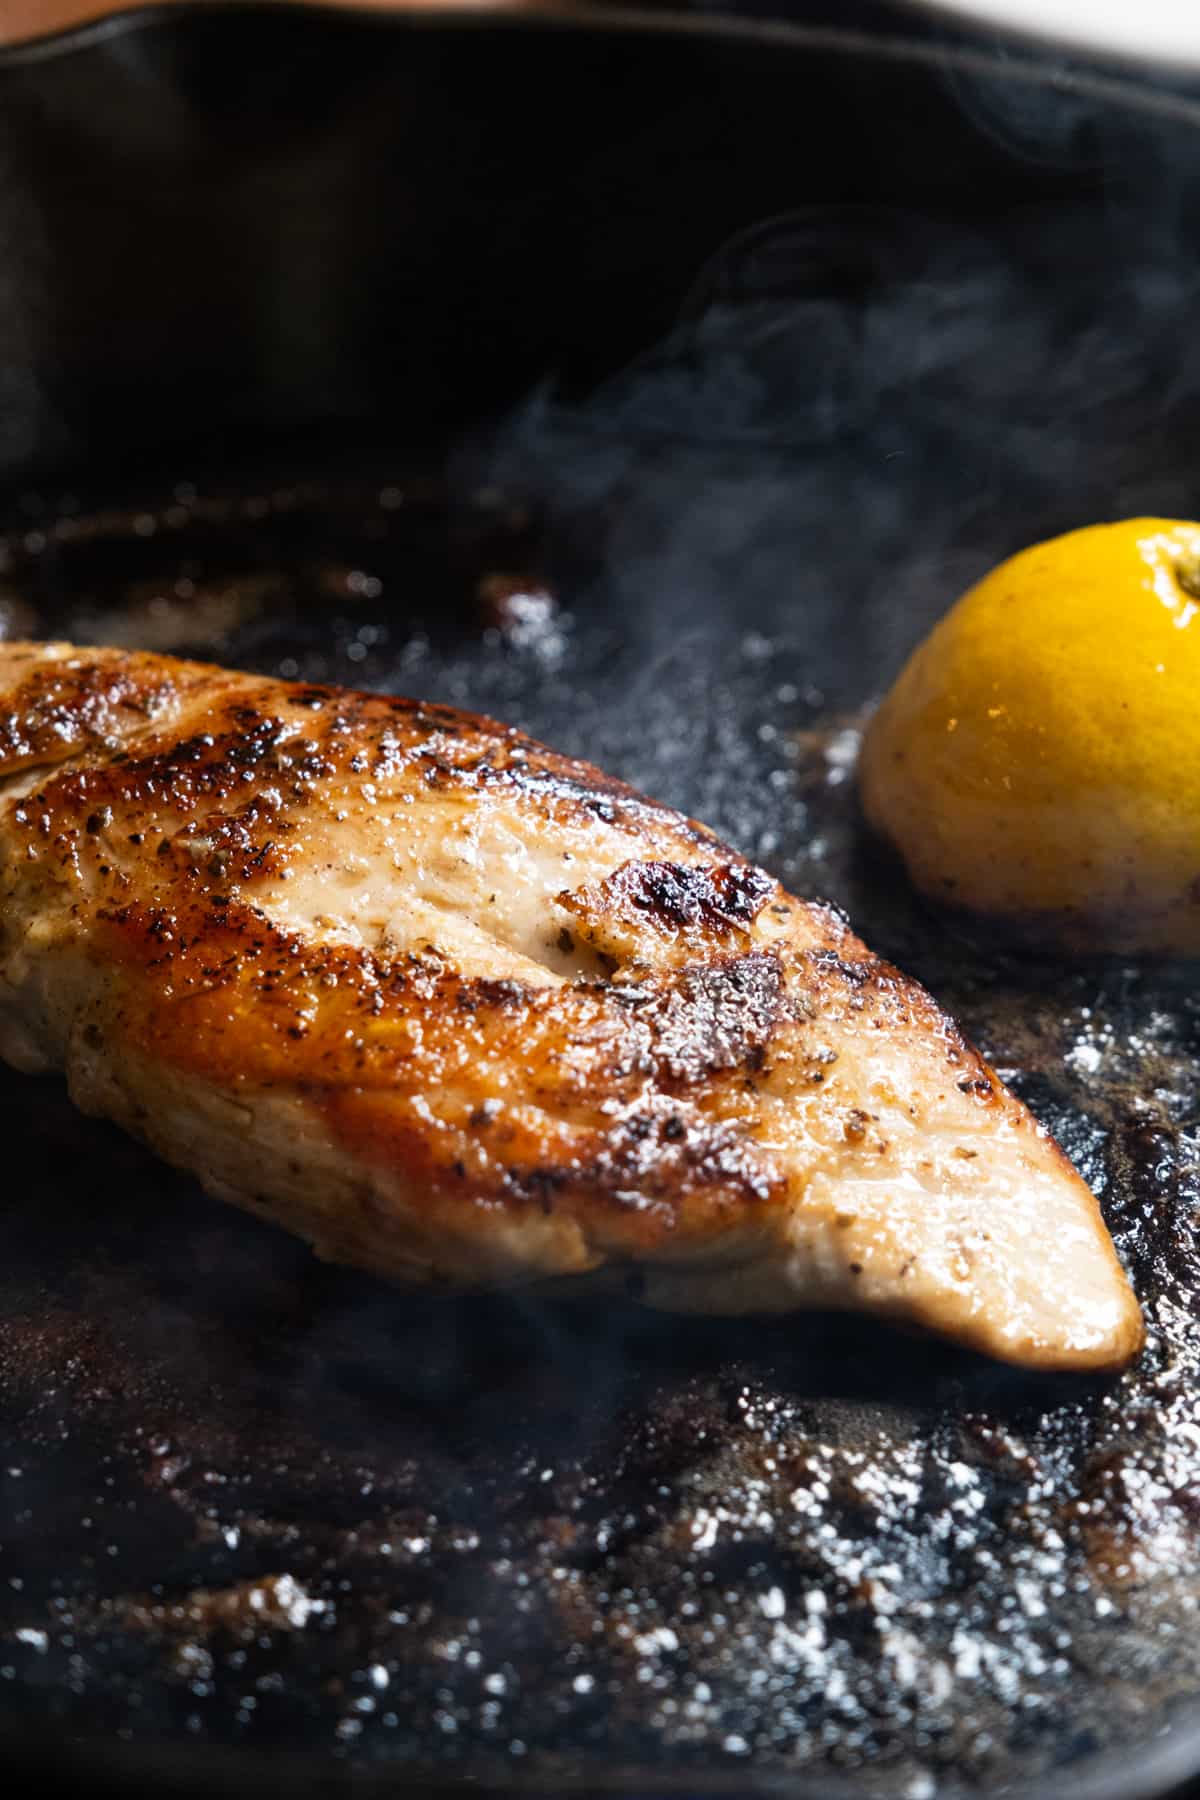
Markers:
{"x": 475, "y": 1125}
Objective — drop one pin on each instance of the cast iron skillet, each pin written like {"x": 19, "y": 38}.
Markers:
{"x": 654, "y": 388}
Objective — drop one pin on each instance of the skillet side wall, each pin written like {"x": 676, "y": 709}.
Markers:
{"x": 215, "y": 228}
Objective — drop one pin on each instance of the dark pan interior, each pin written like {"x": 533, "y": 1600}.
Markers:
{"x": 670, "y": 390}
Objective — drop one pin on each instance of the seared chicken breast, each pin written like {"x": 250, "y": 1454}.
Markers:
{"x": 462, "y": 1011}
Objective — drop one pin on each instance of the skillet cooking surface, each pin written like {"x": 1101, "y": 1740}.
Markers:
{"x": 248, "y": 1499}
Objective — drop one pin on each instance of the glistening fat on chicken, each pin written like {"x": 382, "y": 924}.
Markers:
{"x": 462, "y": 1011}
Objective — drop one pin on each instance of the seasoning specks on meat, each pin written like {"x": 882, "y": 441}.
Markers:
{"x": 316, "y": 947}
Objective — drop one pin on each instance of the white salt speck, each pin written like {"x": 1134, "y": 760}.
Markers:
{"x": 967, "y": 1659}
{"x": 496, "y": 1684}
{"x": 735, "y": 1745}
{"x": 941, "y": 1682}
{"x": 841, "y": 754}
{"x": 704, "y": 1528}
{"x": 38, "y": 1640}
{"x": 772, "y": 1604}
{"x": 904, "y": 1651}
{"x": 296, "y": 1604}
{"x": 583, "y": 1684}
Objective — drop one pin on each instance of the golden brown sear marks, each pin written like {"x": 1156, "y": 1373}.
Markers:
{"x": 60, "y": 709}
{"x": 461, "y": 1010}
